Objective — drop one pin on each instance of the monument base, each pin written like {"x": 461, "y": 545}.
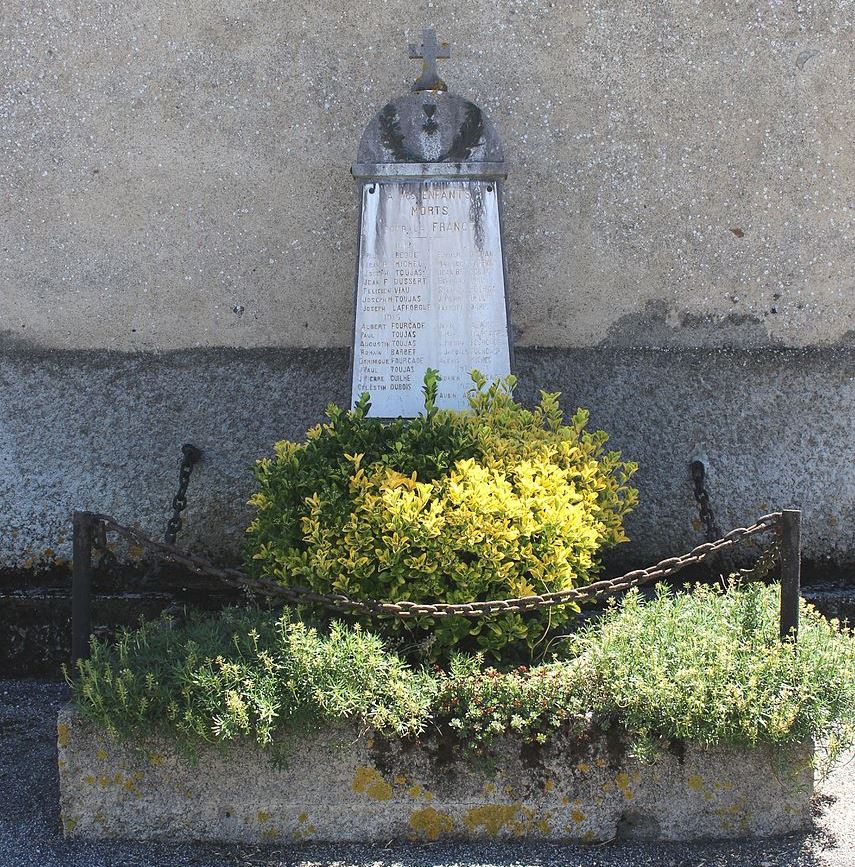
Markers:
{"x": 339, "y": 786}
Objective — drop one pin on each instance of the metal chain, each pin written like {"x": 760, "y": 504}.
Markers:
{"x": 337, "y": 602}
{"x": 107, "y": 559}
{"x": 703, "y": 499}
{"x": 723, "y": 563}
{"x": 192, "y": 455}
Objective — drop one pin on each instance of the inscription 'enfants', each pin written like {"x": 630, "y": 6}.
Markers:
{"x": 441, "y": 197}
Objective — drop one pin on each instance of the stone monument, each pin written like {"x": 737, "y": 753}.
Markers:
{"x": 430, "y": 283}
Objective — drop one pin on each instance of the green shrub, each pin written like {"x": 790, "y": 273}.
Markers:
{"x": 481, "y": 704}
{"x": 498, "y": 501}
{"x": 708, "y": 666}
{"x": 702, "y": 666}
{"x": 705, "y": 667}
{"x": 247, "y": 673}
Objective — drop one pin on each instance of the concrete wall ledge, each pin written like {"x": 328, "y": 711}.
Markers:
{"x": 340, "y": 786}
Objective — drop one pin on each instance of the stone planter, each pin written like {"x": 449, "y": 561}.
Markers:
{"x": 338, "y": 786}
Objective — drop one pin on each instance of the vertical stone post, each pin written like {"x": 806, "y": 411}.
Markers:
{"x": 791, "y": 567}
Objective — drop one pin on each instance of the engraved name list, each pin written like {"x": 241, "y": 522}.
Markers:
{"x": 430, "y": 292}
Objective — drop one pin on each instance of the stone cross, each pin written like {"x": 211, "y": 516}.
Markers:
{"x": 429, "y": 52}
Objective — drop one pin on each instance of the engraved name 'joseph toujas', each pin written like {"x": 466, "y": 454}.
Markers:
{"x": 430, "y": 284}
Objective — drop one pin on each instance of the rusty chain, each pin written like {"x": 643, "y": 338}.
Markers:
{"x": 190, "y": 457}
{"x": 404, "y": 609}
{"x": 764, "y": 566}
{"x": 723, "y": 563}
{"x": 702, "y": 498}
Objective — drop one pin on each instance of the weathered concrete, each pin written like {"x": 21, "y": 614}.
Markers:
{"x": 179, "y": 176}
{"x": 337, "y": 786}
{"x": 103, "y": 432}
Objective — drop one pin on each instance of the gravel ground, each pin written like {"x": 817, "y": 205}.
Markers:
{"x": 30, "y": 836}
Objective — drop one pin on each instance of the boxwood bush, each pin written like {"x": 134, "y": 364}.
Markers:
{"x": 498, "y": 501}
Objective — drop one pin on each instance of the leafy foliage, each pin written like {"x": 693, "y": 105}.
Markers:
{"x": 709, "y": 667}
{"x": 481, "y": 704}
{"x": 247, "y": 673}
{"x": 498, "y": 501}
{"x": 704, "y": 666}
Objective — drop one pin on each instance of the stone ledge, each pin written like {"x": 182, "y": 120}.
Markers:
{"x": 338, "y": 786}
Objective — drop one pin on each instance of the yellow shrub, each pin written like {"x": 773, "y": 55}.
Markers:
{"x": 495, "y": 502}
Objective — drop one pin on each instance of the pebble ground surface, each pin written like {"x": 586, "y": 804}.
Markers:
{"x": 30, "y": 834}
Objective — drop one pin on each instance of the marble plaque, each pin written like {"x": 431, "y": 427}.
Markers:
{"x": 430, "y": 292}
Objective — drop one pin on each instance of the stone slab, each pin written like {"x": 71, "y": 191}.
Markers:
{"x": 430, "y": 292}
{"x": 339, "y": 786}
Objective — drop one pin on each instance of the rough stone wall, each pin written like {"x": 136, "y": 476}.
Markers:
{"x": 177, "y": 228}
{"x": 103, "y": 431}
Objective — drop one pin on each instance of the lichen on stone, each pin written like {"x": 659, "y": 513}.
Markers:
{"x": 430, "y": 823}
{"x": 368, "y": 781}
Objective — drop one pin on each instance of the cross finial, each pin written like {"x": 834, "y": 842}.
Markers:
{"x": 430, "y": 51}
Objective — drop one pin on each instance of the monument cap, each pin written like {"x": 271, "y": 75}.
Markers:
{"x": 429, "y": 132}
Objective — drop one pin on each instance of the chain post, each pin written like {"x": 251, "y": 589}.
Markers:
{"x": 791, "y": 567}
{"x": 81, "y": 585}
{"x": 191, "y": 456}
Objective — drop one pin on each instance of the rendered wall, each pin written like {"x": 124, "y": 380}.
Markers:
{"x": 177, "y": 229}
